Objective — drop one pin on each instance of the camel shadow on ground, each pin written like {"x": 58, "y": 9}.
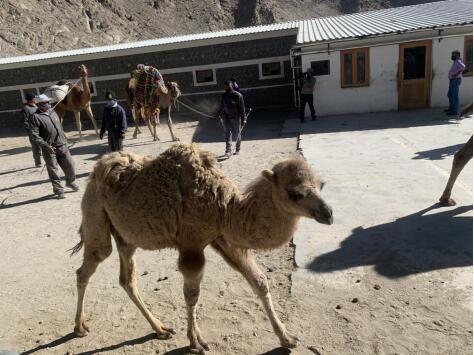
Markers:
{"x": 439, "y": 153}
{"x": 420, "y": 242}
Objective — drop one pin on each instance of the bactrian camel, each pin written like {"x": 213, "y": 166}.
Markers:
{"x": 167, "y": 95}
{"x": 181, "y": 200}
{"x": 77, "y": 99}
{"x": 461, "y": 158}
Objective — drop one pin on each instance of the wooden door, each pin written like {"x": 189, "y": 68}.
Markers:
{"x": 414, "y": 75}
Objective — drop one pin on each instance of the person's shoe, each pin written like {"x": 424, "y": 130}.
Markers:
{"x": 38, "y": 165}
{"x": 227, "y": 155}
{"x": 447, "y": 110}
{"x": 73, "y": 186}
{"x": 60, "y": 195}
{"x": 314, "y": 118}
{"x": 449, "y": 113}
{"x": 237, "y": 152}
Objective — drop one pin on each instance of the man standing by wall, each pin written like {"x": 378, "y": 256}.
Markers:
{"x": 27, "y": 110}
{"x": 306, "y": 93}
{"x": 455, "y": 75}
{"x": 233, "y": 111}
{"x": 48, "y": 133}
{"x": 114, "y": 121}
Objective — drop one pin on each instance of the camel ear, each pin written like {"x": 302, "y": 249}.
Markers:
{"x": 268, "y": 175}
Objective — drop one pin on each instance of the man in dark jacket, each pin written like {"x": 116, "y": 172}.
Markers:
{"x": 114, "y": 121}
{"x": 232, "y": 110}
{"x": 26, "y": 112}
{"x": 48, "y": 133}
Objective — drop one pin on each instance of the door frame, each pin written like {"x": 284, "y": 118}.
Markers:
{"x": 428, "y": 72}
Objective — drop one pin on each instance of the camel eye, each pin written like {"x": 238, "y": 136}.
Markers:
{"x": 294, "y": 195}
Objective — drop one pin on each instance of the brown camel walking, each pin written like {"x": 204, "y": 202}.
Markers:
{"x": 182, "y": 200}
{"x": 77, "y": 99}
{"x": 167, "y": 95}
{"x": 461, "y": 158}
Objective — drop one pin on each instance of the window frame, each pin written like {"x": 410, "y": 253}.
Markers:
{"x": 354, "y": 67}
{"x": 321, "y": 60}
{"x": 265, "y": 77}
{"x": 29, "y": 89}
{"x": 94, "y": 88}
{"x": 207, "y": 83}
{"x": 466, "y": 40}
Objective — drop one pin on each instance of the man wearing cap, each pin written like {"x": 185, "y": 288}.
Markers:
{"x": 114, "y": 121}
{"x": 454, "y": 76}
{"x": 27, "y": 110}
{"x": 48, "y": 133}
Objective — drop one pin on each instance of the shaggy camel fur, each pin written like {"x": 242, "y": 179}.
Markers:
{"x": 461, "y": 158}
{"x": 182, "y": 200}
{"x": 77, "y": 99}
{"x": 166, "y": 96}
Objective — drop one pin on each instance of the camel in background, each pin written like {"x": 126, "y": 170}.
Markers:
{"x": 461, "y": 158}
{"x": 76, "y": 100}
{"x": 182, "y": 200}
{"x": 165, "y": 95}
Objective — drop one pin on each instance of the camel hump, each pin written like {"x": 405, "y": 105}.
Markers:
{"x": 116, "y": 170}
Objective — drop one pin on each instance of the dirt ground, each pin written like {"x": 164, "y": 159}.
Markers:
{"x": 360, "y": 295}
{"x": 38, "y": 293}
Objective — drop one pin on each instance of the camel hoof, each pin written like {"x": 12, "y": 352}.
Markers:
{"x": 164, "y": 335}
{"x": 175, "y": 139}
{"x": 289, "y": 342}
{"x": 81, "y": 331}
{"x": 196, "y": 350}
{"x": 445, "y": 202}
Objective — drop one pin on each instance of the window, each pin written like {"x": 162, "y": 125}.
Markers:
{"x": 33, "y": 91}
{"x": 468, "y": 55}
{"x": 320, "y": 67}
{"x": 204, "y": 77}
{"x": 271, "y": 70}
{"x": 355, "y": 67}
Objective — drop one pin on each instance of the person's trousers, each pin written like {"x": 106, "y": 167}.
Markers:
{"x": 306, "y": 98}
{"x": 64, "y": 159}
{"x": 36, "y": 149}
{"x": 115, "y": 141}
{"x": 232, "y": 133}
{"x": 453, "y": 95}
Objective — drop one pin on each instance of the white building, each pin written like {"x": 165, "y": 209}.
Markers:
{"x": 386, "y": 60}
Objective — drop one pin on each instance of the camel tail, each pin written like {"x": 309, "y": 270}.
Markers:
{"x": 76, "y": 248}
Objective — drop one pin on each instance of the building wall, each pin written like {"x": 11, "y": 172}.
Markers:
{"x": 382, "y": 92}
{"x": 239, "y": 59}
{"x": 441, "y": 64}
{"x": 380, "y": 95}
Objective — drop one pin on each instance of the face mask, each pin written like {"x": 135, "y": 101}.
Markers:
{"x": 44, "y": 106}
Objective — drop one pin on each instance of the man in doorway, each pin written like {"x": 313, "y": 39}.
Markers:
{"x": 114, "y": 121}
{"x": 232, "y": 110}
{"x": 455, "y": 75}
{"x": 48, "y": 133}
{"x": 26, "y": 112}
{"x": 306, "y": 93}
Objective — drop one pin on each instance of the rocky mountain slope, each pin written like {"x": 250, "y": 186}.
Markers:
{"x": 38, "y": 26}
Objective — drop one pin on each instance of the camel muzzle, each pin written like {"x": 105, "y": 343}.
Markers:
{"x": 324, "y": 215}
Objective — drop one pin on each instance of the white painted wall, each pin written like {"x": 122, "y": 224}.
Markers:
{"x": 380, "y": 95}
{"x": 441, "y": 64}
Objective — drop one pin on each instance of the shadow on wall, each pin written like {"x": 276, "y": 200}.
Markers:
{"x": 416, "y": 243}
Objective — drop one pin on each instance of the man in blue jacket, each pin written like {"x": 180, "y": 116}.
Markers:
{"x": 114, "y": 121}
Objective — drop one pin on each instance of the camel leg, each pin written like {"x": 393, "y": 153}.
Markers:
{"x": 95, "y": 235}
{"x": 461, "y": 158}
{"x": 88, "y": 110}
{"x": 243, "y": 261}
{"x": 191, "y": 265}
{"x": 128, "y": 280}
{"x": 170, "y": 125}
{"x": 136, "y": 117}
{"x": 77, "y": 116}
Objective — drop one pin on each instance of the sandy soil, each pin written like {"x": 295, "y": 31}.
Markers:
{"x": 355, "y": 309}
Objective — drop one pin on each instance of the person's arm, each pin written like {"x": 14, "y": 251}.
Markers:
{"x": 123, "y": 121}
{"x": 243, "y": 117}
{"x": 221, "y": 107}
{"x": 102, "y": 125}
{"x": 34, "y": 124}
{"x": 26, "y": 116}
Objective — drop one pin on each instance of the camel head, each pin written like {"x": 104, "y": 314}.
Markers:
{"x": 173, "y": 87}
{"x": 83, "y": 70}
{"x": 296, "y": 190}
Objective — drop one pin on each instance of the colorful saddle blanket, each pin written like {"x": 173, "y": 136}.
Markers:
{"x": 147, "y": 80}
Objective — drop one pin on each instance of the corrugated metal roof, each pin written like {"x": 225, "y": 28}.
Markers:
{"x": 155, "y": 42}
{"x": 386, "y": 21}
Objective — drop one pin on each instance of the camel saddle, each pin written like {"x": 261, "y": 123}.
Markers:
{"x": 146, "y": 81}
{"x": 56, "y": 93}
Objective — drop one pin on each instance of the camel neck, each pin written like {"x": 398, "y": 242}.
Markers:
{"x": 256, "y": 222}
